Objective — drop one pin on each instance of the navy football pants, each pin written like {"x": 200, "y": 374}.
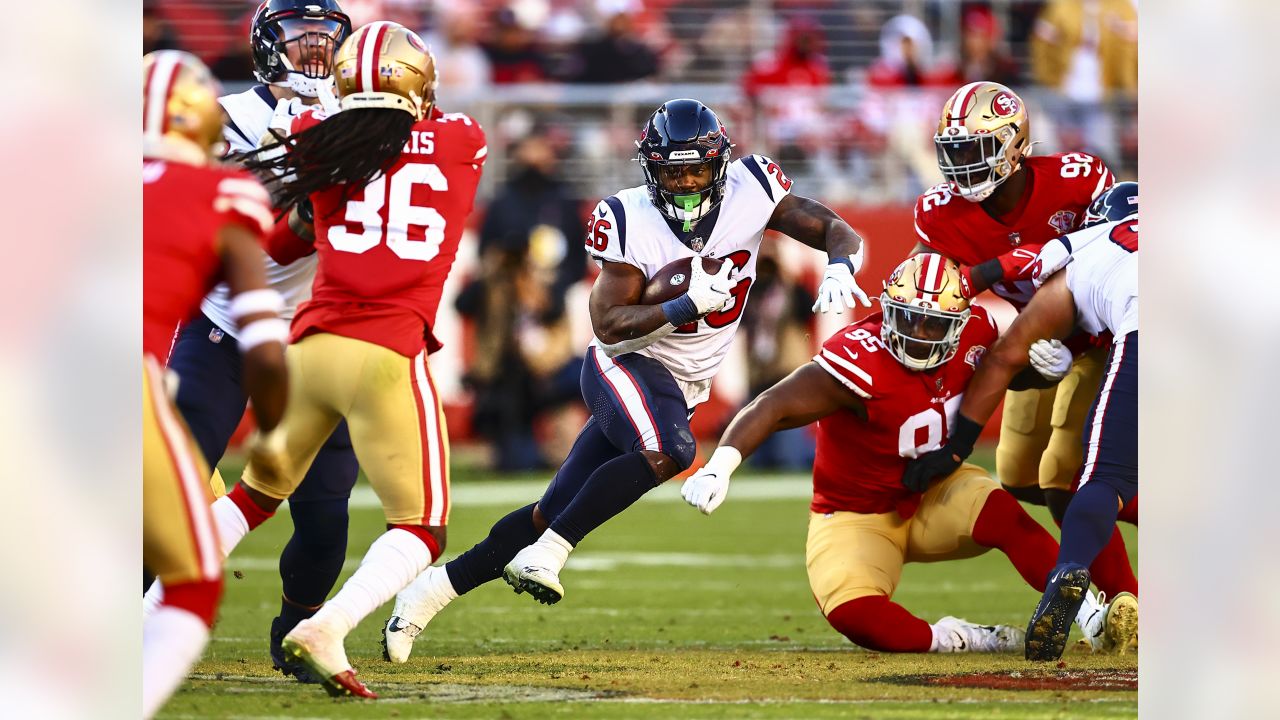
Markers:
{"x": 212, "y": 402}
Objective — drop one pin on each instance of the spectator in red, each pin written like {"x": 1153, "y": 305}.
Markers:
{"x": 982, "y": 53}
{"x": 800, "y": 61}
{"x": 513, "y": 54}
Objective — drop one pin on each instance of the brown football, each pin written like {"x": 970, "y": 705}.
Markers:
{"x": 672, "y": 280}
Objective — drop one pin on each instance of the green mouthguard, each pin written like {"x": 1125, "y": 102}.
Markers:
{"x": 689, "y": 202}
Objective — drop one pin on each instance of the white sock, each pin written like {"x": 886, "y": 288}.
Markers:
{"x": 556, "y": 546}
{"x": 393, "y": 561}
{"x": 942, "y": 639}
{"x": 231, "y": 523}
{"x": 441, "y": 586}
{"x": 1088, "y": 608}
{"x": 172, "y": 640}
{"x": 152, "y": 598}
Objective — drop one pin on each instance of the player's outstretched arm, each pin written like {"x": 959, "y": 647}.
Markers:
{"x": 256, "y": 310}
{"x": 804, "y": 396}
{"x": 817, "y": 226}
{"x": 1050, "y": 314}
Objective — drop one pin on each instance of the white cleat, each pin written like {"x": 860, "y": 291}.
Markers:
{"x": 1093, "y": 626}
{"x": 535, "y": 570}
{"x": 956, "y": 635}
{"x": 415, "y": 606}
{"x": 321, "y": 649}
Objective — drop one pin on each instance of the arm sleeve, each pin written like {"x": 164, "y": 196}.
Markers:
{"x": 606, "y": 237}
{"x": 848, "y": 361}
{"x": 767, "y": 176}
{"x": 284, "y": 245}
{"x": 241, "y": 199}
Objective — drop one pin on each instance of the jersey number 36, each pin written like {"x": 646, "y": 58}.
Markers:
{"x": 401, "y": 215}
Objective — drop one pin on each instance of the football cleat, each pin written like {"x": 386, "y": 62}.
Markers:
{"x": 1051, "y": 623}
{"x": 962, "y": 636}
{"x": 321, "y": 650}
{"x": 280, "y": 661}
{"x": 415, "y": 606}
{"x": 530, "y": 572}
{"x": 1121, "y": 627}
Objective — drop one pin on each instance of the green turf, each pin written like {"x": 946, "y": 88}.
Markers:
{"x": 667, "y": 613}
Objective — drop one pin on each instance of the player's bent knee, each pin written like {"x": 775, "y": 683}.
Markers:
{"x": 683, "y": 451}
{"x": 199, "y": 598}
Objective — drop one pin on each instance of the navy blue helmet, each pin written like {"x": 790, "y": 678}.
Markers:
{"x": 316, "y": 27}
{"x": 1116, "y": 203}
{"x": 684, "y": 132}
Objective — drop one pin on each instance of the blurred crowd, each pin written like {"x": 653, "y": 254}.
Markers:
{"x": 844, "y": 95}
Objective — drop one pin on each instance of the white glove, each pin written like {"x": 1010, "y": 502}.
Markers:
{"x": 707, "y": 488}
{"x": 709, "y": 292}
{"x": 329, "y": 105}
{"x": 838, "y": 288}
{"x": 1051, "y": 359}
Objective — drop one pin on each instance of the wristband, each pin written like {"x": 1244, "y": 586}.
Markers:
{"x": 964, "y": 434}
{"x": 680, "y": 310}
{"x": 263, "y": 331}
{"x": 252, "y": 302}
{"x": 724, "y": 461}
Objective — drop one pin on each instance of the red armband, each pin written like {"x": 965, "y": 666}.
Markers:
{"x": 284, "y": 245}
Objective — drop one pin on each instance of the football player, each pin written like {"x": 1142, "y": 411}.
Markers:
{"x": 882, "y": 391}
{"x": 292, "y": 43}
{"x": 392, "y": 181}
{"x": 649, "y": 365}
{"x": 201, "y": 223}
{"x": 1097, "y": 292}
{"x": 998, "y": 206}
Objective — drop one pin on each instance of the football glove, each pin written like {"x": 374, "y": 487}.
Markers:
{"x": 838, "y": 288}
{"x": 923, "y": 470}
{"x": 709, "y": 292}
{"x": 707, "y": 487}
{"x": 1051, "y": 359}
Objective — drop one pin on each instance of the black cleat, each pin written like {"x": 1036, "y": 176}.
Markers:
{"x": 1051, "y": 624}
{"x": 280, "y": 660}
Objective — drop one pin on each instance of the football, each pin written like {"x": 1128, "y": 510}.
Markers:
{"x": 672, "y": 280}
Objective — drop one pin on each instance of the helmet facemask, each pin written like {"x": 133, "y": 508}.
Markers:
{"x": 919, "y": 337}
{"x": 686, "y": 207}
{"x": 976, "y": 165}
{"x": 313, "y": 41}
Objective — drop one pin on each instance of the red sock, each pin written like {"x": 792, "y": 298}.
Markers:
{"x": 1111, "y": 570}
{"x": 877, "y": 623}
{"x": 1129, "y": 513}
{"x": 199, "y": 598}
{"x": 424, "y": 535}
{"x": 1004, "y": 525}
{"x": 253, "y": 514}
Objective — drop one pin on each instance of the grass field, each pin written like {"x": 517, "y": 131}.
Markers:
{"x": 667, "y": 614}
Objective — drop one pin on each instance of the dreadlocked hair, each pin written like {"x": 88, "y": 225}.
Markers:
{"x": 351, "y": 149}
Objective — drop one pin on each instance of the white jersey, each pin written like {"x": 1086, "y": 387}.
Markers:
{"x": 248, "y": 116}
{"x": 1103, "y": 277}
{"x": 627, "y": 228}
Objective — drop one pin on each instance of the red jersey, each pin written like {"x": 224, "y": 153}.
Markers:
{"x": 183, "y": 208}
{"x": 860, "y": 461}
{"x": 385, "y": 254}
{"x": 1059, "y": 189}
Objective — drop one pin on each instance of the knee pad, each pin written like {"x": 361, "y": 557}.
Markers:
{"x": 683, "y": 450}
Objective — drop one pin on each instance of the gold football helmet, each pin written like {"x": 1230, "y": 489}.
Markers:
{"x": 982, "y": 137}
{"x": 386, "y": 65}
{"x": 181, "y": 117}
{"x": 924, "y": 311}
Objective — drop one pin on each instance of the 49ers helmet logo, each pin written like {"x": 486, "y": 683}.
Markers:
{"x": 1004, "y": 104}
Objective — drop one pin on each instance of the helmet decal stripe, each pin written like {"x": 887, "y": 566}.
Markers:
{"x": 961, "y": 100}
{"x": 368, "y": 54}
{"x": 159, "y": 86}
{"x": 932, "y": 279}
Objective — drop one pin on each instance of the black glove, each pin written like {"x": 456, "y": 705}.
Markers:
{"x": 922, "y": 471}
{"x": 943, "y": 461}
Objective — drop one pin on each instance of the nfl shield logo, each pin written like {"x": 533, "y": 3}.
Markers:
{"x": 215, "y": 335}
{"x": 697, "y": 243}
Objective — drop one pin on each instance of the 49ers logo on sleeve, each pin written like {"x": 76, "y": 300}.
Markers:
{"x": 1004, "y": 105}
